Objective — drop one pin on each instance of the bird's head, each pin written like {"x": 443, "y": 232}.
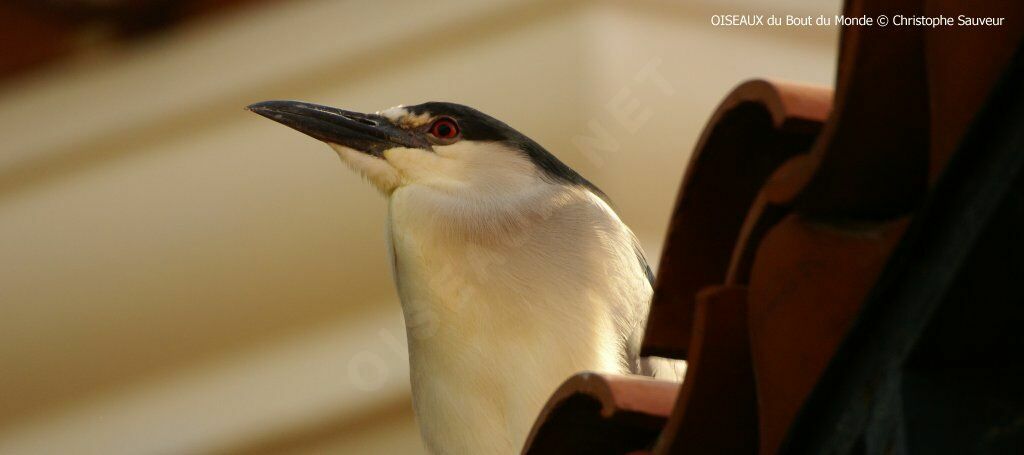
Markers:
{"x": 437, "y": 145}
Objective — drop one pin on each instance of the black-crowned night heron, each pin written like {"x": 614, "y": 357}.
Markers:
{"x": 513, "y": 270}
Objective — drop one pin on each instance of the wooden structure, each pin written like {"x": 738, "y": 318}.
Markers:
{"x": 840, "y": 271}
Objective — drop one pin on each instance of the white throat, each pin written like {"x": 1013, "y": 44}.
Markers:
{"x": 505, "y": 297}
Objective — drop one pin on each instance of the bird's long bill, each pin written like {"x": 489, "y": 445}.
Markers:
{"x": 369, "y": 133}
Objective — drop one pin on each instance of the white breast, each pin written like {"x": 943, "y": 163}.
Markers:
{"x": 503, "y": 301}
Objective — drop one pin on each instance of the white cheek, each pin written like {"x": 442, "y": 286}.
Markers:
{"x": 466, "y": 169}
{"x": 491, "y": 165}
{"x": 423, "y": 166}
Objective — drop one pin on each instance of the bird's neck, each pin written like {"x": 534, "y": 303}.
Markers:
{"x": 501, "y": 308}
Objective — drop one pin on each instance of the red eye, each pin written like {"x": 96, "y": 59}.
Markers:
{"x": 444, "y": 128}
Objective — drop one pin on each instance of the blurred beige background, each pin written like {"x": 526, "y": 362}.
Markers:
{"x": 178, "y": 275}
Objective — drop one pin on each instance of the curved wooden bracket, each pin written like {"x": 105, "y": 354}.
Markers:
{"x": 870, "y": 162}
{"x": 754, "y": 130}
{"x": 602, "y": 413}
{"x": 717, "y": 409}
